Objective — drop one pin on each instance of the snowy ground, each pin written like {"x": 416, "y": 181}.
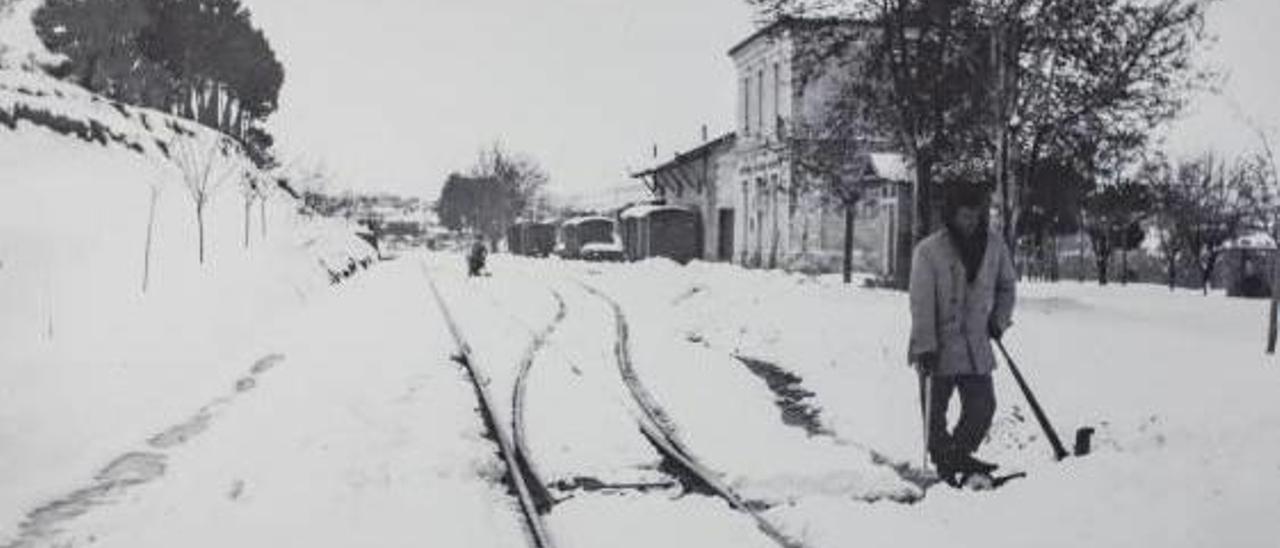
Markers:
{"x": 1176, "y": 384}
{"x": 580, "y": 425}
{"x": 349, "y": 414}
{"x": 355, "y": 430}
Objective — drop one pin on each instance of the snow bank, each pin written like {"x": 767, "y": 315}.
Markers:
{"x": 360, "y": 432}
{"x": 1176, "y": 383}
{"x": 91, "y": 362}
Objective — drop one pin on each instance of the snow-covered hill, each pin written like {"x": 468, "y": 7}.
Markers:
{"x": 90, "y": 360}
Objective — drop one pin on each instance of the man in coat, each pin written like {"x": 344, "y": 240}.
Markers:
{"x": 962, "y": 295}
{"x": 475, "y": 259}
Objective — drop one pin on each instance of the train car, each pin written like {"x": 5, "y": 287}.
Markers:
{"x": 661, "y": 231}
{"x": 514, "y": 244}
{"x": 580, "y": 231}
{"x": 538, "y": 239}
{"x": 531, "y": 238}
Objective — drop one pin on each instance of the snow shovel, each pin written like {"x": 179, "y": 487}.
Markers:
{"x": 1059, "y": 452}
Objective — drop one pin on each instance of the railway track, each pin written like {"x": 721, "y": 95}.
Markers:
{"x": 658, "y": 426}
{"x": 538, "y": 489}
{"x": 523, "y": 486}
{"x": 535, "y": 495}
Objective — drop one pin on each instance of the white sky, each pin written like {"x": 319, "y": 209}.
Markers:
{"x": 1248, "y": 51}
{"x": 395, "y": 94}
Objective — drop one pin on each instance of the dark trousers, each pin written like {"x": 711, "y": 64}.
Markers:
{"x": 977, "y": 408}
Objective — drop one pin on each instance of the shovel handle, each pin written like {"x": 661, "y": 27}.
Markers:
{"x": 1059, "y": 452}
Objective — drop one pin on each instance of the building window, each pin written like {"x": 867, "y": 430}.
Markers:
{"x": 760, "y": 101}
{"x": 777, "y": 100}
{"x": 746, "y": 106}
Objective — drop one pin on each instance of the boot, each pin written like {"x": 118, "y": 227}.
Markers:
{"x": 970, "y": 463}
{"x": 947, "y": 463}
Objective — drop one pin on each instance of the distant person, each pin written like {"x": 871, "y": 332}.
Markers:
{"x": 475, "y": 259}
{"x": 962, "y": 295}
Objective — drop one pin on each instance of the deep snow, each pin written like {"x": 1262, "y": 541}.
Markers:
{"x": 360, "y": 432}
{"x": 91, "y": 364}
{"x": 1176, "y": 383}
{"x": 249, "y": 402}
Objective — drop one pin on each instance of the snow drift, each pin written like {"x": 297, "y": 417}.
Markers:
{"x": 90, "y": 359}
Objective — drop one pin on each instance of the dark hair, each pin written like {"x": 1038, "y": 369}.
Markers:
{"x": 959, "y": 193}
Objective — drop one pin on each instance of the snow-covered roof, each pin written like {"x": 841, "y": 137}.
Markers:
{"x": 1253, "y": 241}
{"x": 890, "y": 166}
{"x": 602, "y": 246}
{"x": 592, "y": 218}
{"x": 607, "y": 196}
{"x": 636, "y": 212}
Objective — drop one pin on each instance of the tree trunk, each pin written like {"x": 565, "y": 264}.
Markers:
{"x": 922, "y": 217}
{"x": 190, "y": 104}
{"x": 1005, "y": 83}
{"x": 200, "y": 229}
{"x": 1103, "y": 259}
{"x": 238, "y": 122}
{"x": 1124, "y": 264}
{"x": 849, "y": 212}
{"x": 1274, "y": 302}
{"x": 248, "y": 209}
{"x": 262, "y": 215}
{"x": 228, "y": 114}
{"x": 146, "y": 256}
{"x": 1080, "y": 239}
{"x": 1055, "y": 273}
{"x": 1206, "y": 272}
{"x": 923, "y": 221}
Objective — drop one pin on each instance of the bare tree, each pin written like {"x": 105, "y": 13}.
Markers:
{"x": 204, "y": 170}
{"x": 831, "y": 158}
{"x": 1221, "y": 201}
{"x": 1170, "y": 209}
{"x": 993, "y": 87}
{"x": 248, "y": 193}
{"x": 264, "y": 193}
{"x": 1269, "y": 174}
{"x": 154, "y": 187}
{"x": 1114, "y": 222}
{"x": 519, "y": 181}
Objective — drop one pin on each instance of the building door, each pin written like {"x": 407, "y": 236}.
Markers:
{"x": 724, "y": 245}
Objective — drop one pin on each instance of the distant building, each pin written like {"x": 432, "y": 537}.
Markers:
{"x": 702, "y": 180}
{"x": 787, "y": 219}
{"x": 1247, "y": 266}
{"x": 759, "y": 207}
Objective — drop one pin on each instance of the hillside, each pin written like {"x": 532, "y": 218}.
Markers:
{"x": 80, "y": 339}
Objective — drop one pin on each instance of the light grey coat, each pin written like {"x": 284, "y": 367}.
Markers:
{"x": 949, "y": 315}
